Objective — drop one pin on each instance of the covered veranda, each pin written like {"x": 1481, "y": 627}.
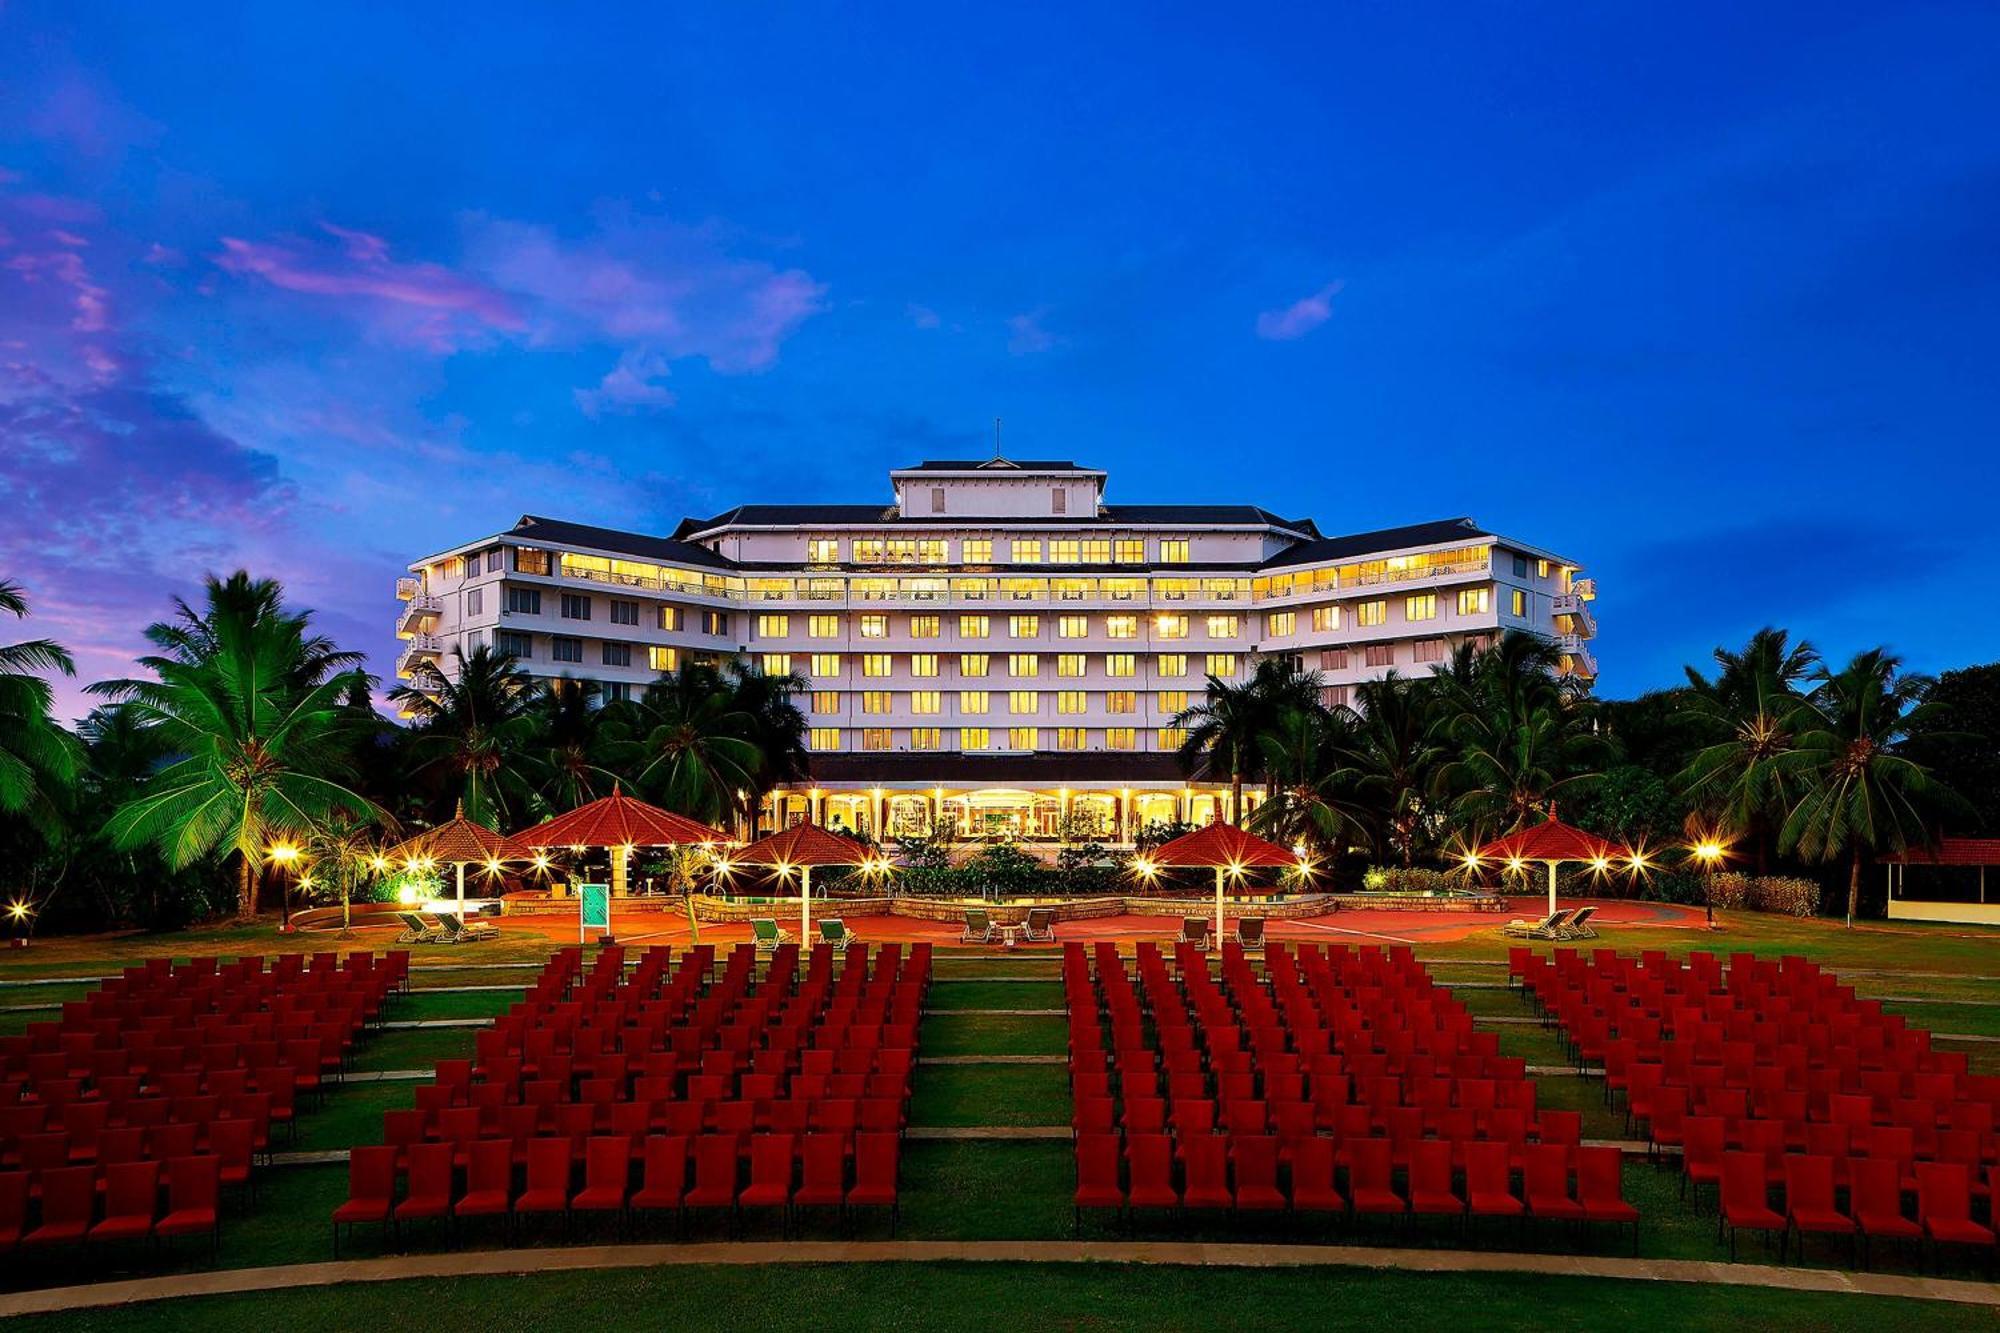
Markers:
{"x": 1951, "y": 884}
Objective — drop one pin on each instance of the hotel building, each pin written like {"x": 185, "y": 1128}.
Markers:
{"x": 998, "y": 646}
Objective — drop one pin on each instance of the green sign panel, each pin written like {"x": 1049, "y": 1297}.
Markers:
{"x": 596, "y": 903}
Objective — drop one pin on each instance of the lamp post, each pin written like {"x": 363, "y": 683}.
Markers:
{"x": 21, "y": 913}
{"x": 1709, "y": 852}
{"x": 283, "y": 855}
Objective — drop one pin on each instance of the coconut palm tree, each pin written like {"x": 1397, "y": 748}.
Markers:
{"x": 1226, "y": 728}
{"x": 575, "y": 743}
{"x": 1755, "y": 707}
{"x": 36, "y": 755}
{"x": 1518, "y": 738}
{"x": 243, "y": 702}
{"x": 1858, "y": 793}
{"x": 694, "y": 749}
{"x": 1317, "y": 802}
{"x": 777, "y": 727}
{"x": 1394, "y": 752}
{"x": 475, "y": 727}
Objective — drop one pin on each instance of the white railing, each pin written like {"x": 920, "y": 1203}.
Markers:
{"x": 408, "y": 587}
{"x": 423, "y": 604}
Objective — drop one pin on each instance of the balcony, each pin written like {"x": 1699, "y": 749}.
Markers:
{"x": 416, "y": 610}
{"x": 408, "y": 587}
{"x": 418, "y": 648}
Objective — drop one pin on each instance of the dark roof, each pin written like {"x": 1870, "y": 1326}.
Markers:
{"x": 1043, "y": 768}
{"x": 533, "y": 527}
{"x": 997, "y": 465}
{"x": 1383, "y": 539}
{"x": 808, "y": 515}
{"x": 765, "y": 516}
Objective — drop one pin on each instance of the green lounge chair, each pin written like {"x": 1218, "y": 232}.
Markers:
{"x": 767, "y": 933}
{"x": 418, "y": 931}
{"x": 1250, "y": 933}
{"x": 978, "y": 927}
{"x": 1040, "y": 927}
{"x": 832, "y": 930}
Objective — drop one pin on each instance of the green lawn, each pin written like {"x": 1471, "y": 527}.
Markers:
{"x": 993, "y": 1034}
{"x": 414, "y": 1048}
{"x": 1015, "y": 1296}
{"x": 996, "y": 995}
{"x": 950, "y": 1095}
{"x": 453, "y": 1004}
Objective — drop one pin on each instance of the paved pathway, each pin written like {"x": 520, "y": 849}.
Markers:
{"x": 474, "y": 1263}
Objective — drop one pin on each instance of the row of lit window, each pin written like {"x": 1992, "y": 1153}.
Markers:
{"x": 978, "y": 703}
{"x": 980, "y": 550}
{"x": 1014, "y": 738}
{"x": 1416, "y": 608}
{"x": 977, "y": 666}
{"x": 1167, "y": 625}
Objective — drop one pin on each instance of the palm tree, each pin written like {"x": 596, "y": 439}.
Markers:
{"x": 694, "y": 747}
{"x": 1857, "y": 792}
{"x": 36, "y": 755}
{"x": 1226, "y": 729}
{"x": 1395, "y": 754}
{"x": 777, "y": 727}
{"x": 573, "y": 746}
{"x": 1519, "y": 738}
{"x": 475, "y": 727}
{"x": 1316, "y": 803}
{"x": 1756, "y": 708}
{"x": 243, "y": 701}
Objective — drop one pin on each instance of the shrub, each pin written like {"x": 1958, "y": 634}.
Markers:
{"x": 1408, "y": 879}
{"x": 1785, "y": 895}
{"x": 1730, "y": 889}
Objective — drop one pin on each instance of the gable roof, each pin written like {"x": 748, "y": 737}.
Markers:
{"x": 1410, "y": 535}
{"x": 533, "y": 527}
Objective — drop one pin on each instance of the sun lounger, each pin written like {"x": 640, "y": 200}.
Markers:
{"x": 978, "y": 927}
{"x": 1250, "y": 933}
{"x": 465, "y": 932}
{"x": 767, "y": 934}
{"x": 1551, "y": 927}
{"x": 1040, "y": 927}
{"x": 1579, "y": 926}
{"x": 832, "y": 930}
{"x": 418, "y": 931}
{"x": 1194, "y": 930}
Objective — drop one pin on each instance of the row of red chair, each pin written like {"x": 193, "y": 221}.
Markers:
{"x": 462, "y": 1125}
{"x": 620, "y": 1176}
{"x": 120, "y": 1202}
{"x": 1874, "y": 1202}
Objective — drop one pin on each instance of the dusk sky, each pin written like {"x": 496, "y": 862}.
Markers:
{"x": 1701, "y": 297}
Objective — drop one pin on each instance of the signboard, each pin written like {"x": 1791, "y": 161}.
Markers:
{"x": 594, "y": 906}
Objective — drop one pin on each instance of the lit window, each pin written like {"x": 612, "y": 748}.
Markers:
{"x": 975, "y": 738}
{"x": 715, "y": 623}
{"x": 973, "y": 627}
{"x": 869, "y": 550}
{"x": 1024, "y": 627}
{"x": 1074, "y": 627}
{"x": 875, "y": 701}
{"x": 1120, "y": 738}
{"x": 670, "y": 617}
{"x": 925, "y": 627}
{"x": 924, "y": 703}
{"x": 1222, "y": 627}
{"x": 1326, "y": 617}
{"x": 1173, "y": 664}
{"x": 1170, "y": 625}
{"x": 1121, "y": 701}
{"x": 1172, "y": 738}
{"x": 774, "y": 627}
{"x": 1222, "y": 664}
{"x": 1371, "y": 613}
{"x": 1122, "y": 627}
{"x": 926, "y": 738}
{"x": 1024, "y": 665}
{"x": 973, "y": 703}
{"x": 1421, "y": 606}
{"x": 924, "y": 664}
{"x": 825, "y": 664}
{"x": 1279, "y": 624}
{"x": 1024, "y": 703}
{"x": 826, "y": 701}
{"x": 876, "y": 664}
{"x": 1474, "y": 601}
{"x": 1129, "y": 550}
{"x": 974, "y": 665}
{"x": 824, "y": 738}
{"x": 1023, "y": 738}
{"x": 1070, "y": 738}
{"x": 822, "y": 550}
{"x": 1520, "y": 602}
{"x": 1541, "y": 569}
{"x": 1072, "y": 665}
{"x": 1120, "y": 664}
{"x": 1071, "y": 701}
{"x": 1173, "y": 551}
{"x": 1097, "y": 551}
{"x": 822, "y": 627}
{"x": 777, "y": 664}
{"x": 976, "y": 550}
{"x": 1173, "y": 702}
{"x": 664, "y": 659}
{"x": 1027, "y": 550}
{"x": 875, "y": 627}
{"x": 874, "y": 738}
{"x": 1063, "y": 550}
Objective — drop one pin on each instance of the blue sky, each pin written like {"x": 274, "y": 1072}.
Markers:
{"x": 1704, "y": 297}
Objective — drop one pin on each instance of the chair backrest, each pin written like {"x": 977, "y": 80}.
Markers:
{"x": 1599, "y": 1174}
{"x": 1430, "y": 1165}
{"x": 414, "y": 922}
{"x": 1369, "y": 1162}
{"x": 548, "y": 1164}
{"x": 13, "y": 1200}
{"x": 430, "y": 1170}
{"x": 489, "y": 1165}
{"x": 1206, "y": 1158}
{"x": 1944, "y": 1190}
{"x": 1581, "y": 915}
{"x": 715, "y": 1161}
{"x": 371, "y": 1172}
{"x": 1808, "y": 1182}
{"x": 1151, "y": 1157}
{"x": 832, "y": 929}
{"x": 1194, "y": 929}
{"x": 875, "y": 1159}
{"x": 825, "y": 1158}
{"x": 69, "y": 1194}
{"x": 764, "y": 927}
{"x": 196, "y": 1182}
{"x": 1097, "y": 1160}
{"x": 666, "y": 1162}
{"x": 1486, "y": 1167}
{"x": 1256, "y": 1158}
{"x": 1545, "y": 1169}
{"x": 1743, "y": 1180}
{"x": 976, "y": 920}
{"x": 1041, "y": 918}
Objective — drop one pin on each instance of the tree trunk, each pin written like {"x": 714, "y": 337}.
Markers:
{"x": 246, "y": 888}
{"x": 1854, "y": 887}
{"x": 1236, "y": 797}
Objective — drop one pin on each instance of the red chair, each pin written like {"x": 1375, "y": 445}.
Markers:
{"x": 823, "y": 1182}
{"x": 1369, "y": 1190}
{"x": 1745, "y": 1201}
{"x": 235, "y": 1143}
{"x": 1701, "y": 1154}
{"x": 131, "y": 1195}
{"x": 489, "y": 1180}
{"x": 1809, "y": 1200}
{"x": 371, "y": 1190}
{"x": 607, "y": 1175}
{"x": 1431, "y": 1194}
{"x": 1205, "y": 1163}
{"x": 1255, "y": 1161}
{"x": 715, "y": 1161}
{"x": 429, "y": 1185}
{"x": 1545, "y": 1182}
{"x": 1151, "y": 1159}
{"x": 1876, "y": 1196}
{"x": 663, "y": 1175}
{"x": 1313, "y": 1188}
{"x": 875, "y": 1161}
{"x": 547, "y": 1189}
{"x": 1600, "y": 1188}
{"x": 1944, "y": 1206}
{"x": 69, "y": 1199}
{"x": 1096, "y": 1176}
{"x": 1489, "y": 1187}
{"x": 13, "y": 1208}
{"x": 194, "y": 1200}
{"x": 770, "y": 1186}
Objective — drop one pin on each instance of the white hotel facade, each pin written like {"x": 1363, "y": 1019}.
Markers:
{"x": 998, "y": 647}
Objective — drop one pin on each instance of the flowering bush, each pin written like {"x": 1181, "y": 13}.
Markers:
{"x": 1784, "y": 894}
{"x": 1408, "y": 879}
{"x": 1731, "y": 889}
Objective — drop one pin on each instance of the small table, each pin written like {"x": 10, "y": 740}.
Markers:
{"x": 1010, "y": 935}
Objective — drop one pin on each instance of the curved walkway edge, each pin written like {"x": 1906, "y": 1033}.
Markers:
{"x": 520, "y": 1262}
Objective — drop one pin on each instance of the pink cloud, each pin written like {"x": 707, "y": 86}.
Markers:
{"x": 420, "y": 302}
{"x": 1300, "y": 317}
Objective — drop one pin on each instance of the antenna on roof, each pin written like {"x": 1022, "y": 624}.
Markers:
{"x": 996, "y": 439}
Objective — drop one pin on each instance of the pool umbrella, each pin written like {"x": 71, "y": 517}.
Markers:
{"x": 803, "y": 846}
{"x": 620, "y": 823}
{"x": 1226, "y": 848}
{"x": 458, "y": 843}
{"x": 1552, "y": 843}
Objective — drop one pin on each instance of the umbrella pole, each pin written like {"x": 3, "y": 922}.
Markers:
{"x": 460, "y": 866}
{"x": 1552, "y": 888}
{"x": 805, "y": 911}
{"x": 618, "y": 883}
{"x": 1218, "y": 907}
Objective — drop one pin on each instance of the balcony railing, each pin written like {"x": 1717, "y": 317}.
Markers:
{"x": 408, "y": 587}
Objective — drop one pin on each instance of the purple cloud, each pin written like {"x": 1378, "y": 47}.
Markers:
{"x": 1300, "y": 317}
{"x": 630, "y": 386}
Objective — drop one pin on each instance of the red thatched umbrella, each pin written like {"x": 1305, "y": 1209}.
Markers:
{"x": 801, "y": 847}
{"x": 459, "y": 843}
{"x": 1226, "y": 848}
{"x": 1552, "y": 843}
{"x": 620, "y": 823}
